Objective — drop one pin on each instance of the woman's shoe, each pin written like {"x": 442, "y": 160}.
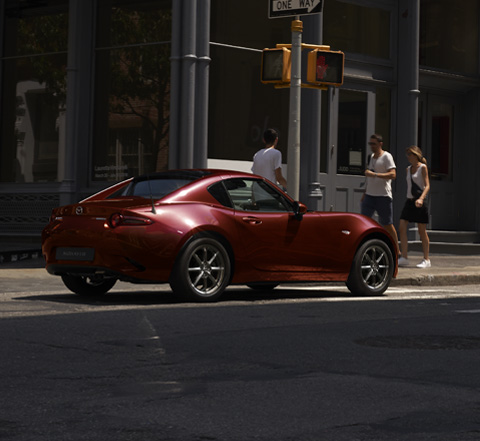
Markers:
{"x": 403, "y": 262}
{"x": 425, "y": 263}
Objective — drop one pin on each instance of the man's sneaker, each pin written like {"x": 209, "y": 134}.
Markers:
{"x": 425, "y": 264}
{"x": 403, "y": 262}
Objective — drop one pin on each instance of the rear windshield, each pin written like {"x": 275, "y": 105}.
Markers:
{"x": 153, "y": 188}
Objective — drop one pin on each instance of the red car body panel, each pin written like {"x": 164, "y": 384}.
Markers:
{"x": 263, "y": 246}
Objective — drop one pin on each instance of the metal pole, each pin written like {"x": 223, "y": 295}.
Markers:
{"x": 293, "y": 172}
{"x": 310, "y": 187}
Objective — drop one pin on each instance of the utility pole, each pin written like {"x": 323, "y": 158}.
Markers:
{"x": 293, "y": 171}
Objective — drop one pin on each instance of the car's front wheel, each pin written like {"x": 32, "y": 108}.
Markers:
{"x": 372, "y": 269}
{"x": 88, "y": 286}
{"x": 202, "y": 271}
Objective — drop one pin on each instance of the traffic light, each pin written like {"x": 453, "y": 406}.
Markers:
{"x": 325, "y": 67}
{"x": 276, "y": 66}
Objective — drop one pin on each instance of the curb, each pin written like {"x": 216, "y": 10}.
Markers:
{"x": 438, "y": 280}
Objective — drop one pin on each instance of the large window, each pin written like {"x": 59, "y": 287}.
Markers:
{"x": 449, "y": 35}
{"x": 441, "y": 138}
{"x": 352, "y": 123}
{"x": 357, "y": 29}
{"x": 240, "y": 106}
{"x": 33, "y": 91}
{"x": 132, "y": 89}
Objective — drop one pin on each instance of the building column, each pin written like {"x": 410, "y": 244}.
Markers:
{"x": 189, "y": 84}
{"x": 200, "y": 154}
{"x": 78, "y": 105}
{"x": 408, "y": 92}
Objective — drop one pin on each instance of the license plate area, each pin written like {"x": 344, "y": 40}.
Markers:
{"x": 74, "y": 253}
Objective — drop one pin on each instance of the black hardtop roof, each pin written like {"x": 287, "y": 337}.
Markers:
{"x": 192, "y": 174}
{"x": 174, "y": 174}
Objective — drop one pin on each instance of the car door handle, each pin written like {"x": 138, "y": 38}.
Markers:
{"x": 252, "y": 220}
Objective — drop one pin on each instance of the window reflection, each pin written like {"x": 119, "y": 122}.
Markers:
{"x": 34, "y": 92}
{"x": 449, "y": 35}
{"x": 357, "y": 29}
{"x": 133, "y": 89}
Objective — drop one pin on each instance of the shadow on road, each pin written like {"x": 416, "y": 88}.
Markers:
{"x": 166, "y": 297}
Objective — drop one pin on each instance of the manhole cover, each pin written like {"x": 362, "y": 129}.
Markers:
{"x": 426, "y": 342}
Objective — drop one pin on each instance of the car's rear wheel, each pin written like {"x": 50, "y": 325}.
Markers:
{"x": 202, "y": 271}
{"x": 372, "y": 269}
{"x": 88, "y": 286}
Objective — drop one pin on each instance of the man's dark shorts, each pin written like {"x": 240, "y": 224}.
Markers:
{"x": 383, "y": 205}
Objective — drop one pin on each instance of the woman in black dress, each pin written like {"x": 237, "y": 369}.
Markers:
{"x": 415, "y": 208}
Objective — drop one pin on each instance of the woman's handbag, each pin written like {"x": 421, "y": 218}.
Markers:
{"x": 416, "y": 190}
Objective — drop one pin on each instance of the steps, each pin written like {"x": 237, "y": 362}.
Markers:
{"x": 465, "y": 243}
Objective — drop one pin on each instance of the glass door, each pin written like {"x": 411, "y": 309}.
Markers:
{"x": 351, "y": 121}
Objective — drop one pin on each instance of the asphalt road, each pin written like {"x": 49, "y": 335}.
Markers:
{"x": 298, "y": 364}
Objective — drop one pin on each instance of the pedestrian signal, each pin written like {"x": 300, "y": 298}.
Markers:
{"x": 276, "y": 65}
{"x": 325, "y": 67}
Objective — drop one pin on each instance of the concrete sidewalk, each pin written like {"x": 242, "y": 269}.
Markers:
{"x": 446, "y": 270}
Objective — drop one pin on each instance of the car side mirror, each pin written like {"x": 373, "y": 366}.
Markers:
{"x": 299, "y": 210}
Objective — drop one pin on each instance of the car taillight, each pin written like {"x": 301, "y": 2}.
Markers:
{"x": 115, "y": 220}
{"x": 54, "y": 217}
{"x": 118, "y": 219}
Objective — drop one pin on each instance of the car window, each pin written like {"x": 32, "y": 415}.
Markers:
{"x": 256, "y": 195}
{"x": 219, "y": 192}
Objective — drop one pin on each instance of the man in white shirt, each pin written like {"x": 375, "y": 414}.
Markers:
{"x": 267, "y": 162}
{"x": 378, "y": 194}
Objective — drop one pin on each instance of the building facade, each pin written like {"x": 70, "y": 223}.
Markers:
{"x": 94, "y": 91}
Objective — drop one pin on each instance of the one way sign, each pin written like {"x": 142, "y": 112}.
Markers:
{"x": 288, "y": 8}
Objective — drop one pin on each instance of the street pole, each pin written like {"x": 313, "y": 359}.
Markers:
{"x": 293, "y": 171}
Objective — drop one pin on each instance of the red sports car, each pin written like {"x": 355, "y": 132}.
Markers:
{"x": 202, "y": 230}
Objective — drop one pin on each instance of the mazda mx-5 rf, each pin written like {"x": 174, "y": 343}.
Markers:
{"x": 202, "y": 230}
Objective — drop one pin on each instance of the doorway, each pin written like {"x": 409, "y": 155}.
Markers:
{"x": 436, "y": 136}
{"x": 350, "y": 119}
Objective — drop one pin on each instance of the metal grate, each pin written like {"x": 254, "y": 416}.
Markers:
{"x": 26, "y": 213}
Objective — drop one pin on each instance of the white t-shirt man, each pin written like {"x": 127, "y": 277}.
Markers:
{"x": 378, "y": 186}
{"x": 266, "y": 161}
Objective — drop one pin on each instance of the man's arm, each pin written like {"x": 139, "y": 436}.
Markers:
{"x": 390, "y": 174}
{"x": 279, "y": 177}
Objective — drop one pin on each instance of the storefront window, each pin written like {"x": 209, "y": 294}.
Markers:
{"x": 441, "y": 136}
{"x": 33, "y": 91}
{"x": 240, "y": 106}
{"x": 132, "y": 89}
{"x": 352, "y": 122}
{"x": 383, "y": 105}
{"x": 357, "y": 29}
{"x": 449, "y": 35}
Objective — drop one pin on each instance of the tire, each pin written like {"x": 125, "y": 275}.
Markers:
{"x": 88, "y": 286}
{"x": 202, "y": 271}
{"x": 262, "y": 286}
{"x": 372, "y": 269}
